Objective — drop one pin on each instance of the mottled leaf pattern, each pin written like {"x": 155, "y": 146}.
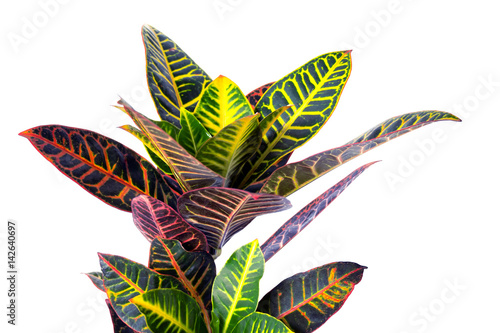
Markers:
{"x": 299, "y": 221}
{"x": 260, "y": 323}
{"x": 312, "y": 91}
{"x": 236, "y": 287}
{"x": 221, "y": 104}
{"x": 294, "y": 176}
{"x": 170, "y": 311}
{"x": 188, "y": 171}
{"x": 175, "y": 80}
{"x": 124, "y": 279}
{"x": 255, "y": 95}
{"x": 222, "y": 212}
{"x": 155, "y": 219}
{"x": 305, "y": 301}
{"x": 226, "y": 152}
{"x": 104, "y": 167}
{"x": 195, "y": 270}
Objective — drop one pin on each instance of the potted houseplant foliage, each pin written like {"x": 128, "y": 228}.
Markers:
{"x": 221, "y": 160}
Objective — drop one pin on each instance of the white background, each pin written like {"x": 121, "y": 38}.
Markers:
{"x": 424, "y": 220}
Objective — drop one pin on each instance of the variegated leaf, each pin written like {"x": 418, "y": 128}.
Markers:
{"x": 257, "y": 322}
{"x": 299, "y": 221}
{"x": 312, "y": 91}
{"x": 118, "y": 325}
{"x": 294, "y": 176}
{"x": 155, "y": 219}
{"x": 226, "y": 152}
{"x": 104, "y": 167}
{"x": 307, "y": 300}
{"x": 97, "y": 279}
{"x": 221, "y": 103}
{"x": 188, "y": 171}
{"x": 236, "y": 287}
{"x": 175, "y": 80}
{"x": 255, "y": 95}
{"x": 222, "y": 212}
{"x": 193, "y": 134}
{"x": 195, "y": 270}
{"x": 170, "y": 311}
{"x": 150, "y": 148}
{"x": 124, "y": 279}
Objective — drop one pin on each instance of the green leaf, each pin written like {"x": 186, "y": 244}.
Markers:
{"x": 104, "y": 167}
{"x": 299, "y": 221}
{"x": 192, "y": 135}
{"x": 222, "y": 212}
{"x": 294, "y": 176}
{"x": 170, "y": 311}
{"x": 154, "y": 219}
{"x": 307, "y": 300}
{"x": 175, "y": 80}
{"x": 221, "y": 103}
{"x": 312, "y": 91}
{"x": 260, "y": 323}
{"x": 236, "y": 288}
{"x": 168, "y": 128}
{"x": 187, "y": 170}
{"x": 125, "y": 279}
{"x": 195, "y": 270}
{"x": 226, "y": 152}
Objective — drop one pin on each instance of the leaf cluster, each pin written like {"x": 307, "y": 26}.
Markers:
{"x": 222, "y": 159}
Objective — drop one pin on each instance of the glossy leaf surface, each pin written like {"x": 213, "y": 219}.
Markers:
{"x": 155, "y": 219}
{"x": 255, "y": 95}
{"x": 104, "y": 167}
{"x": 124, "y": 279}
{"x": 170, "y": 311}
{"x": 306, "y": 300}
{"x": 260, "y": 323}
{"x": 188, "y": 171}
{"x": 229, "y": 149}
{"x": 195, "y": 270}
{"x": 236, "y": 287}
{"x": 193, "y": 134}
{"x": 175, "y": 80}
{"x": 312, "y": 91}
{"x": 221, "y": 103}
{"x": 222, "y": 212}
{"x": 299, "y": 221}
{"x": 294, "y": 176}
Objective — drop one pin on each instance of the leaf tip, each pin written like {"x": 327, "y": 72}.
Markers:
{"x": 24, "y": 133}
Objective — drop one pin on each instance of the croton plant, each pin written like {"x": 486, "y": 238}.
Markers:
{"x": 221, "y": 160}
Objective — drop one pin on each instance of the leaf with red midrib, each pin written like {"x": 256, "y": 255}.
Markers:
{"x": 307, "y": 300}
{"x": 156, "y": 219}
{"x": 104, "y": 167}
{"x": 195, "y": 270}
{"x": 299, "y": 221}
{"x": 221, "y": 212}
